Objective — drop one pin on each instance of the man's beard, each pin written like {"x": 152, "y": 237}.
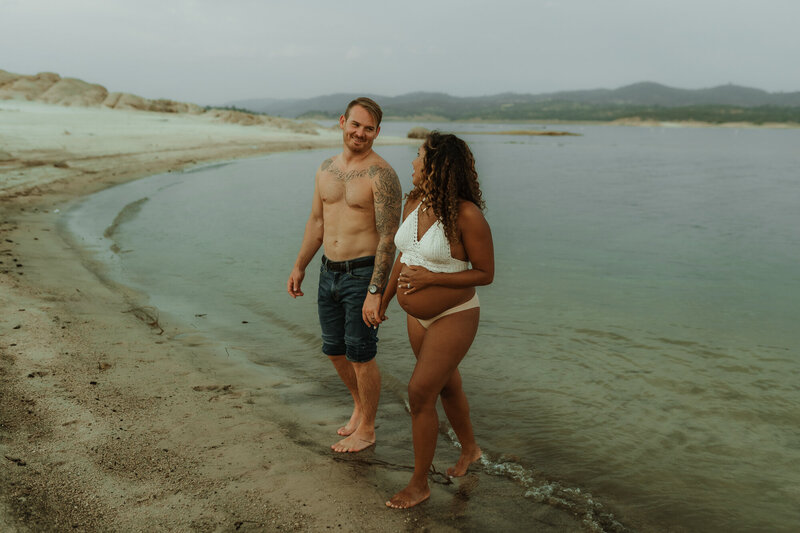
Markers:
{"x": 360, "y": 145}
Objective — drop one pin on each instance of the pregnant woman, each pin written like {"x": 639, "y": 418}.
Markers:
{"x": 446, "y": 251}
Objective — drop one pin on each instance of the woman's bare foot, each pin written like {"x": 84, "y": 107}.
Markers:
{"x": 462, "y": 465}
{"x": 356, "y": 442}
{"x": 409, "y": 497}
{"x": 351, "y": 425}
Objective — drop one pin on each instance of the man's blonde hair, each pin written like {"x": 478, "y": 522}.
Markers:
{"x": 370, "y": 105}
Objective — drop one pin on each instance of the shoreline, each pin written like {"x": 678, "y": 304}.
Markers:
{"x": 108, "y": 419}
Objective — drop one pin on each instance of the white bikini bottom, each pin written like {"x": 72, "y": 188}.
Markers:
{"x": 469, "y": 304}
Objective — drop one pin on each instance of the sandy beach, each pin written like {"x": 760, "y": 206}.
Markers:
{"x": 109, "y": 419}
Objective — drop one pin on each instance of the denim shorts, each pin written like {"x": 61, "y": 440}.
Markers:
{"x": 339, "y": 302}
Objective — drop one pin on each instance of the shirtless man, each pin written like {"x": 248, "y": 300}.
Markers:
{"x": 354, "y": 216}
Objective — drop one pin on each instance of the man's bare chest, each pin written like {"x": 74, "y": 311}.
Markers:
{"x": 352, "y": 189}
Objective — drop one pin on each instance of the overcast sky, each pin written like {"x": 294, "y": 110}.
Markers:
{"x": 216, "y": 51}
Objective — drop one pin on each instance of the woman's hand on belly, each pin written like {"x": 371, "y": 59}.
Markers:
{"x": 413, "y": 279}
{"x": 424, "y": 299}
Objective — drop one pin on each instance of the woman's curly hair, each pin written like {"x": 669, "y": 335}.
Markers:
{"x": 449, "y": 176}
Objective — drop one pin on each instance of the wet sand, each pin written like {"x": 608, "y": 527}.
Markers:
{"x": 108, "y": 420}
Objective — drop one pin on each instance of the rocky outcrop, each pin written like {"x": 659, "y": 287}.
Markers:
{"x": 250, "y": 119}
{"x": 71, "y": 91}
{"x": 418, "y": 132}
{"x": 131, "y": 101}
{"x": 51, "y": 88}
{"x": 19, "y": 87}
{"x": 6, "y": 77}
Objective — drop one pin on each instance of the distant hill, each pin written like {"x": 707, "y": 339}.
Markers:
{"x": 643, "y": 100}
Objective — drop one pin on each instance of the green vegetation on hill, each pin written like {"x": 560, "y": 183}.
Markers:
{"x": 719, "y": 114}
{"x": 574, "y": 111}
{"x": 598, "y": 112}
{"x": 648, "y": 101}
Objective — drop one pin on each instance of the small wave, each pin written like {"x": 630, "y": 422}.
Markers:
{"x": 536, "y": 488}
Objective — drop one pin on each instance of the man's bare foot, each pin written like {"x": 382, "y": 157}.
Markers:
{"x": 354, "y": 443}
{"x": 351, "y": 425}
{"x": 408, "y": 497}
{"x": 462, "y": 465}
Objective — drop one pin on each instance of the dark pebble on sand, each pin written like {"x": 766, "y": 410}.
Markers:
{"x": 16, "y": 460}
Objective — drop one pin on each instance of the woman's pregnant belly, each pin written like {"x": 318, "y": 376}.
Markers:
{"x": 431, "y": 301}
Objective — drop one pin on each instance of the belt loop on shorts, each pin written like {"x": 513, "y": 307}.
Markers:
{"x": 347, "y": 266}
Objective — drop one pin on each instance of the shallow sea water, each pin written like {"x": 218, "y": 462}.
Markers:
{"x": 637, "y": 360}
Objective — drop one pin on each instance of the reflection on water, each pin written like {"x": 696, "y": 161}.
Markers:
{"x": 636, "y": 362}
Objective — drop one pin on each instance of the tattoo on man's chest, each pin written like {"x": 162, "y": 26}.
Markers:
{"x": 329, "y": 166}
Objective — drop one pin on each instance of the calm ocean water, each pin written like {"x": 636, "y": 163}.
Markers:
{"x": 637, "y": 359}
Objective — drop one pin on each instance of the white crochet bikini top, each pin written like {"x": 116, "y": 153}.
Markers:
{"x": 432, "y": 251}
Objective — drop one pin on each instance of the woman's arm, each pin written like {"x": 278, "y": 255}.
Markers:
{"x": 391, "y": 286}
{"x": 476, "y": 237}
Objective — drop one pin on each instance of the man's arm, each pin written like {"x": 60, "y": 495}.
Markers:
{"x": 387, "y": 195}
{"x": 312, "y": 240}
{"x": 388, "y": 201}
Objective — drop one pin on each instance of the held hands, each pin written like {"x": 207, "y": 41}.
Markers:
{"x": 372, "y": 310}
{"x": 384, "y": 306}
{"x": 295, "y": 281}
{"x": 413, "y": 279}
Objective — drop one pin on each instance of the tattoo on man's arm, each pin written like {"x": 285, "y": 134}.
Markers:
{"x": 388, "y": 200}
{"x": 384, "y": 257}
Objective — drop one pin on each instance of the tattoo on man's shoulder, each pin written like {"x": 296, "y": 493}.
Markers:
{"x": 326, "y": 164}
{"x": 387, "y": 186}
